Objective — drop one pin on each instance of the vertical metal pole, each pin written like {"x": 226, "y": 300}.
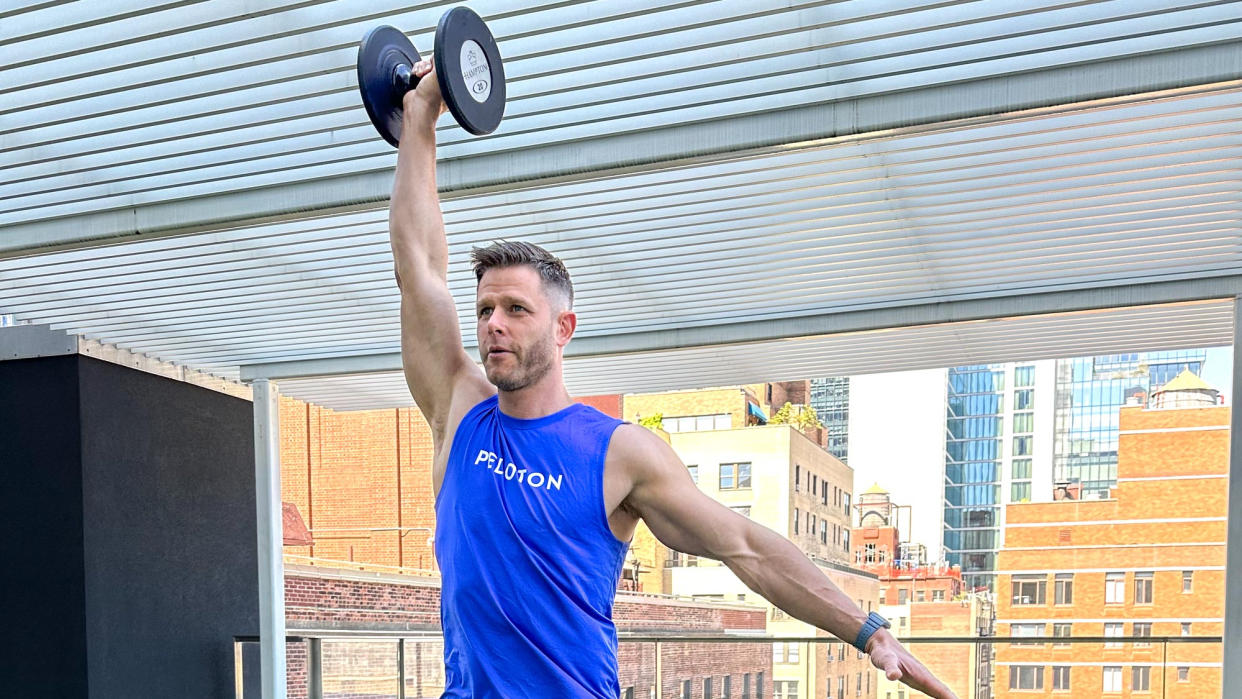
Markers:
{"x": 401, "y": 668}
{"x": 659, "y": 672}
{"x": 1232, "y": 661}
{"x": 314, "y": 669}
{"x": 239, "y": 672}
{"x": 271, "y": 540}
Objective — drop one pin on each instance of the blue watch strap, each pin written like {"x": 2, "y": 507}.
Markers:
{"x": 874, "y": 623}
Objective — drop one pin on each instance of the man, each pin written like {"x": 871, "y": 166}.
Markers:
{"x": 537, "y": 497}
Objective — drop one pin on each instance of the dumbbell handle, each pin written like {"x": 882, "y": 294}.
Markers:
{"x": 404, "y": 78}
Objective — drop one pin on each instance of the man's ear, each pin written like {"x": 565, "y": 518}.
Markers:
{"x": 566, "y": 324}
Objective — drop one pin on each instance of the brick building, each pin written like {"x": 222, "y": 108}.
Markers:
{"x": 347, "y": 605}
{"x": 922, "y": 600}
{"x": 1147, "y": 561}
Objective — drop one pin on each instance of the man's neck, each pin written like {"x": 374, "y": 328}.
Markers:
{"x": 537, "y": 400}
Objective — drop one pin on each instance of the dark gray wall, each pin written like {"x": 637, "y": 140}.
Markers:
{"x": 157, "y": 523}
{"x": 42, "y": 587}
{"x": 171, "y": 545}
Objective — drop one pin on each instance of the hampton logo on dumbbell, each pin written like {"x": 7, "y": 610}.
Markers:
{"x": 467, "y": 62}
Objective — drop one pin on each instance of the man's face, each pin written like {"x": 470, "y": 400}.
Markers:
{"x": 520, "y": 327}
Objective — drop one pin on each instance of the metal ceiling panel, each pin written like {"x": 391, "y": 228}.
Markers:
{"x": 183, "y": 101}
{"x": 1118, "y": 192}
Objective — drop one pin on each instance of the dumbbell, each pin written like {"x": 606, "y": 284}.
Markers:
{"x": 467, "y": 63}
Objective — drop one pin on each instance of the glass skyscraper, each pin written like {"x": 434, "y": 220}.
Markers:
{"x": 974, "y": 417}
{"x": 1089, "y": 394}
{"x": 830, "y": 398}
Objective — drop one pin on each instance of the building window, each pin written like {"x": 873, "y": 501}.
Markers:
{"x": 727, "y": 690}
{"x": 1185, "y": 628}
{"x": 1143, "y": 588}
{"x": 845, "y": 544}
{"x": 1024, "y": 400}
{"x": 685, "y": 689}
{"x": 785, "y": 689}
{"x": 694, "y": 472}
{"x": 1115, "y": 588}
{"x": 858, "y": 685}
{"x": 759, "y": 686}
{"x": 1140, "y": 679}
{"x": 1023, "y": 376}
{"x": 796, "y": 515}
{"x": 734, "y": 476}
{"x": 746, "y": 686}
{"x": 1064, "y": 588}
{"x": 1142, "y": 629}
{"x": 1060, "y": 677}
{"x": 1188, "y": 579}
{"x": 1021, "y": 469}
{"x": 629, "y": 693}
{"x": 937, "y": 595}
{"x": 903, "y": 596}
{"x": 743, "y": 510}
{"x": 697, "y": 423}
{"x": 1062, "y": 631}
{"x": 707, "y": 688}
{"x": 1022, "y": 446}
{"x": 797, "y": 478}
{"x": 823, "y": 490}
{"x": 1029, "y": 590}
{"x": 1112, "y": 679}
{"x": 814, "y": 484}
{"x": 1026, "y": 631}
{"x": 920, "y": 596}
{"x": 1026, "y": 677}
{"x": 810, "y": 523}
{"x": 823, "y": 532}
{"x": 1023, "y": 423}
{"x": 1020, "y": 492}
{"x": 1183, "y": 674}
{"x": 1114, "y": 630}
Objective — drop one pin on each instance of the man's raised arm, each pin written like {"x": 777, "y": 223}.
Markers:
{"x": 432, "y": 355}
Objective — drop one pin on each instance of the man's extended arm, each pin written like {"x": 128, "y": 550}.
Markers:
{"x": 431, "y": 349}
{"x": 685, "y": 519}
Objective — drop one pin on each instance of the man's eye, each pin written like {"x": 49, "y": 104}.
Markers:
{"x": 516, "y": 308}
{"x": 484, "y": 311}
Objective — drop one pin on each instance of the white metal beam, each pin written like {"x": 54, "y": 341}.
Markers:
{"x": 271, "y": 539}
{"x": 1232, "y": 666}
{"x": 860, "y": 320}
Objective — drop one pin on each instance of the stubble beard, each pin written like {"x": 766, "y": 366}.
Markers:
{"x": 532, "y": 365}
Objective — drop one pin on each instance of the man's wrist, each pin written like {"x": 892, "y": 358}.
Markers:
{"x": 879, "y": 638}
{"x": 873, "y": 624}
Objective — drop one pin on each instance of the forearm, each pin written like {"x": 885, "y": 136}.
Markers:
{"x": 415, "y": 224}
{"x": 776, "y": 569}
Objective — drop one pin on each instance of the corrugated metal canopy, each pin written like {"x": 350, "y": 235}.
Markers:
{"x": 785, "y": 257}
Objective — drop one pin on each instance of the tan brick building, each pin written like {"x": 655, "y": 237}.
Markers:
{"x": 1148, "y": 561}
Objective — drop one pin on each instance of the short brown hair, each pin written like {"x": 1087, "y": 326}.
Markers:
{"x": 514, "y": 253}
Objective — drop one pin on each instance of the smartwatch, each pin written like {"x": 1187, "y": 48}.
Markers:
{"x": 874, "y": 623}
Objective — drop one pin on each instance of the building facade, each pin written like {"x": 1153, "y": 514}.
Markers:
{"x": 997, "y": 451}
{"x": 830, "y": 398}
{"x": 1148, "y": 561}
{"x": 1089, "y": 393}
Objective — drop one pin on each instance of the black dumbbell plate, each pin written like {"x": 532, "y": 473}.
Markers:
{"x": 472, "y": 79}
{"x": 379, "y": 53}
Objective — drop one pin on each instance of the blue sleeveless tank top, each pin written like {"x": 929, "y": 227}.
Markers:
{"x": 529, "y": 566}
